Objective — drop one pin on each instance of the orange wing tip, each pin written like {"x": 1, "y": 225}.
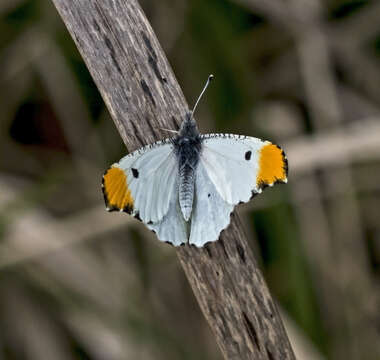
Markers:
{"x": 117, "y": 194}
{"x": 273, "y": 166}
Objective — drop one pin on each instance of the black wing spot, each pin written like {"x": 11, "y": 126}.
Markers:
{"x": 135, "y": 173}
{"x": 248, "y": 155}
{"x": 137, "y": 216}
{"x": 127, "y": 209}
{"x": 208, "y": 195}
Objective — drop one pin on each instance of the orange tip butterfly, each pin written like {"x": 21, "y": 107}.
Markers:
{"x": 185, "y": 188}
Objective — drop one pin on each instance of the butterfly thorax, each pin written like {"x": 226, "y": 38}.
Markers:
{"x": 187, "y": 146}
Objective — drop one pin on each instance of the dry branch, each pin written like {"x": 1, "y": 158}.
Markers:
{"x": 142, "y": 95}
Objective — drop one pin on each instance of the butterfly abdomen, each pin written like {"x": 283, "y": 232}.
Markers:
{"x": 186, "y": 190}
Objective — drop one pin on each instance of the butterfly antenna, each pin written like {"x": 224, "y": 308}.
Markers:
{"x": 172, "y": 131}
{"x": 200, "y": 96}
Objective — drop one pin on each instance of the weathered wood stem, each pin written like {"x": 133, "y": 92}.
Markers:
{"x": 139, "y": 88}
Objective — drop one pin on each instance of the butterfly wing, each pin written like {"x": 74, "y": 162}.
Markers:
{"x": 172, "y": 228}
{"x": 142, "y": 183}
{"x": 231, "y": 169}
{"x": 145, "y": 185}
{"x": 211, "y": 213}
{"x": 240, "y": 166}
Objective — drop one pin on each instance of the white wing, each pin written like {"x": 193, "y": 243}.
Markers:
{"x": 172, "y": 227}
{"x": 143, "y": 182}
{"x": 240, "y": 166}
{"x": 231, "y": 168}
{"x": 211, "y": 213}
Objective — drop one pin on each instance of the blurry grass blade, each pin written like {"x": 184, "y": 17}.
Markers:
{"x": 359, "y": 142}
{"x": 67, "y": 100}
{"x": 9, "y": 5}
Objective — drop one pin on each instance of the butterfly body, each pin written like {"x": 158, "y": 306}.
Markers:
{"x": 187, "y": 145}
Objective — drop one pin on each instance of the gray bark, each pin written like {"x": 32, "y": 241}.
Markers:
{"x": 138, "y": 86}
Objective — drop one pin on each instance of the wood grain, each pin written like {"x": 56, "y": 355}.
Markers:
{"x": 140, "y": 90}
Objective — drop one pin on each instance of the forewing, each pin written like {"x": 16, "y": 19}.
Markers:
{"x": 142, "y": 183}
{"x": 240, "y": 166}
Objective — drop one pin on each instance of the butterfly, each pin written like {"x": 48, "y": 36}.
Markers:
{"x": 185, "y": 188}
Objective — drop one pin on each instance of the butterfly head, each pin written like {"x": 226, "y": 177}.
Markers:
{"x": 189, "y": 127}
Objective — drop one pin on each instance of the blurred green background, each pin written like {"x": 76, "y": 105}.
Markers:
{"x": 79, "y": 283}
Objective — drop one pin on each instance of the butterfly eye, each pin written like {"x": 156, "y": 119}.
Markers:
{"x": 248, "y": 155}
